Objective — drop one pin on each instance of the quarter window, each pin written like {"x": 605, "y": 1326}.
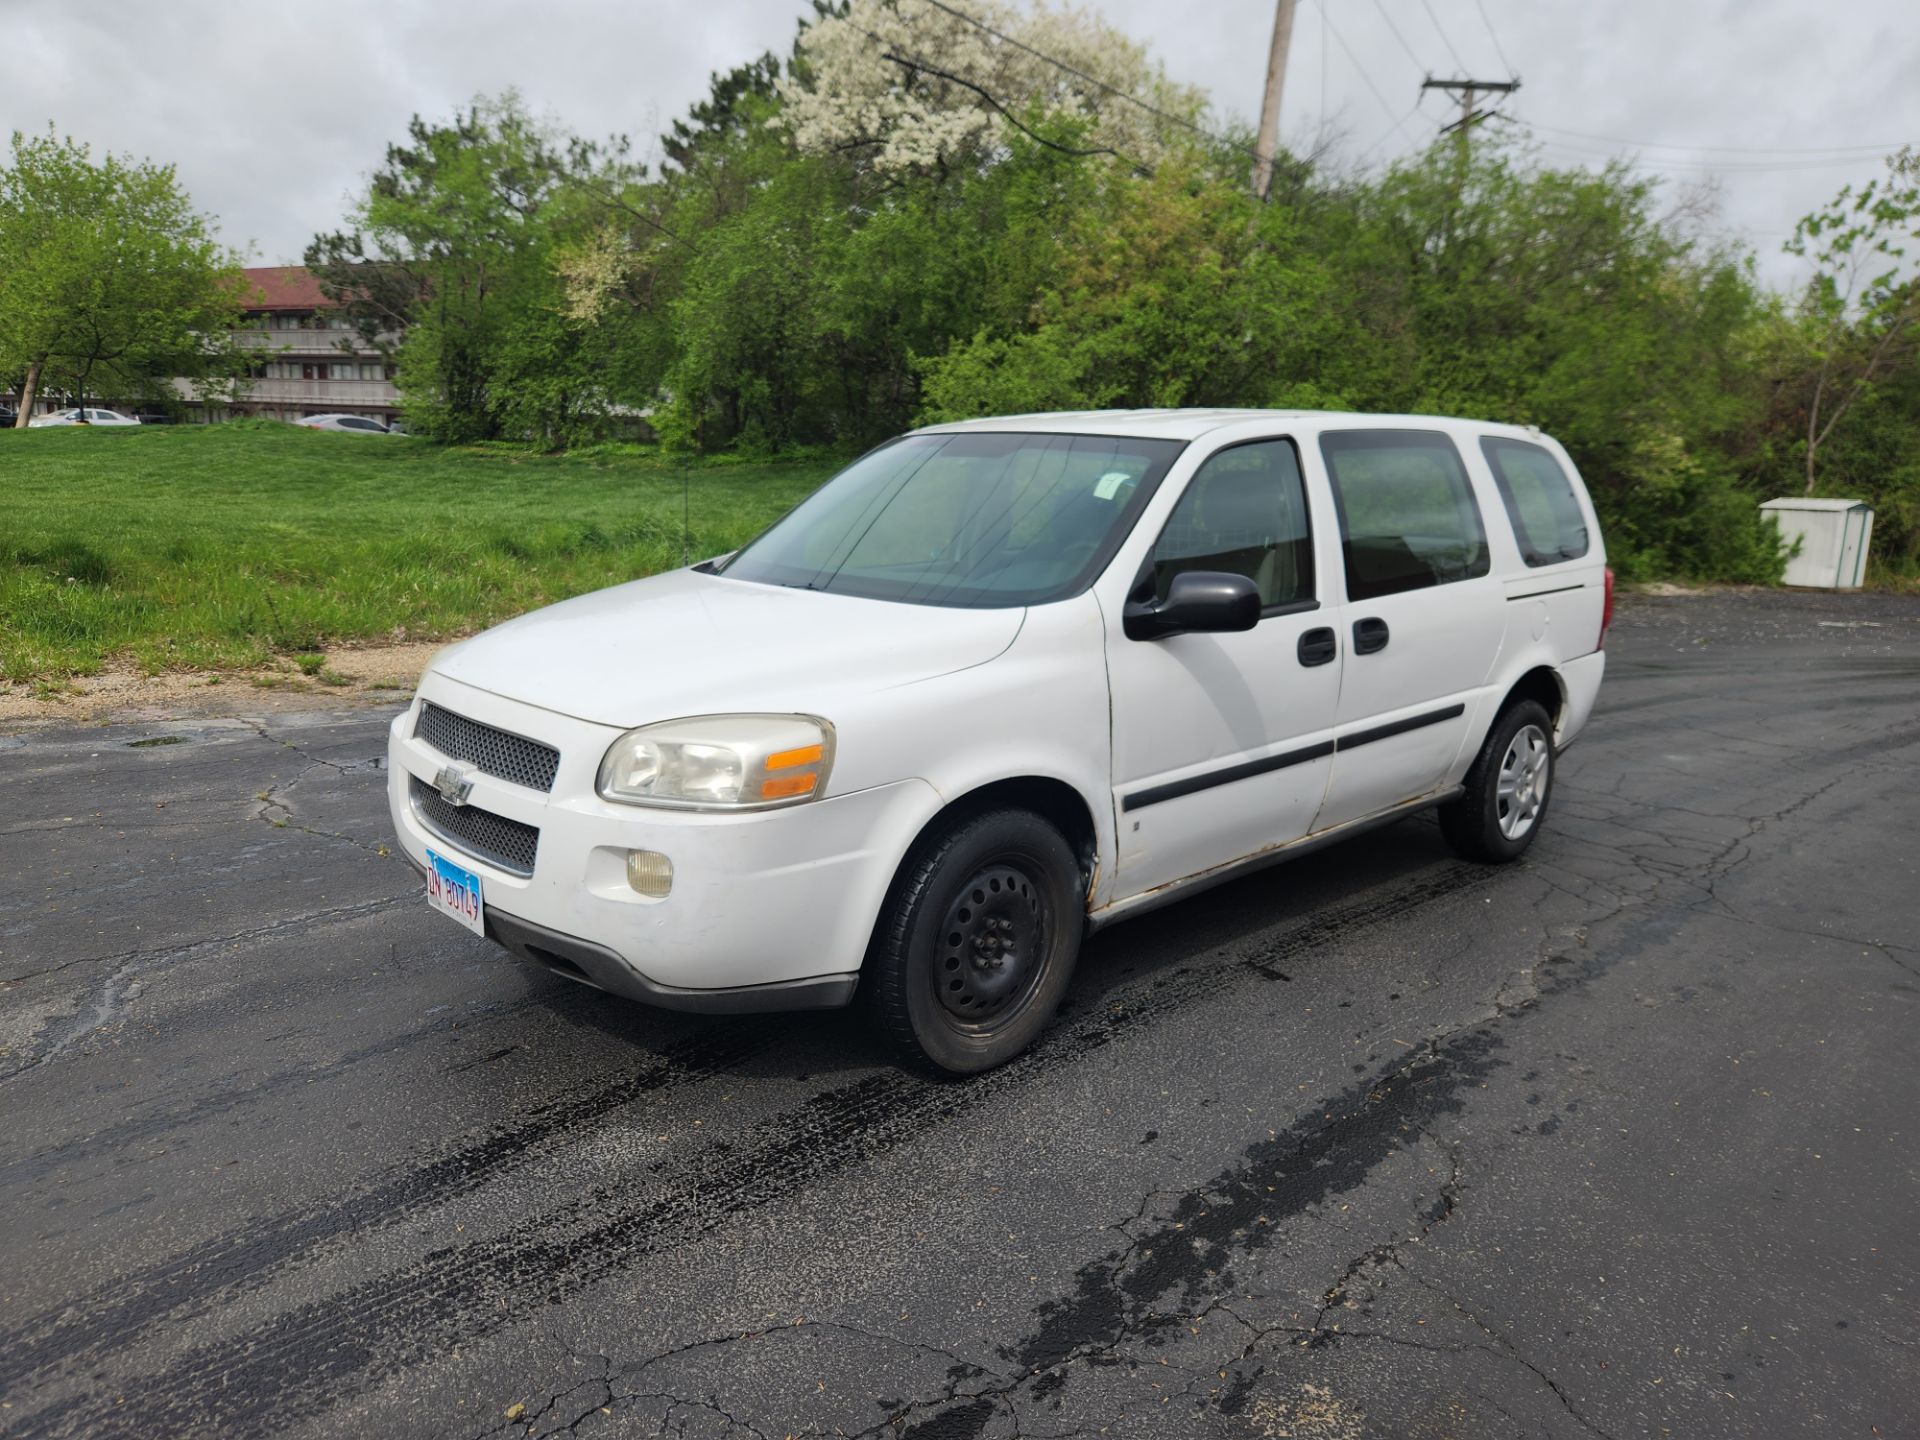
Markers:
{"x": 1244, "y": 513}
{"x": 1539, "y": 499}
{"x": 1407, "y": 514}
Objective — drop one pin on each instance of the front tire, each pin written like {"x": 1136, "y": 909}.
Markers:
{"x": 977, "y": 942}
{"x": 1507, "y": 788}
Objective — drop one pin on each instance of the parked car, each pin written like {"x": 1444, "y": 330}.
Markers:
{"x": 8, "y": 415}
{"x": 1001, "y": 683}
{"x": 358, "y": 424}
{"x": 73, "y": 417}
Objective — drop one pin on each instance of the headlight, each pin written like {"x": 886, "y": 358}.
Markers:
{"x": 720, "y": 762}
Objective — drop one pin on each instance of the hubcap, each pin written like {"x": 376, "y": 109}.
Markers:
{"x": 990, "y": 945}
{"x": 1524, "y": 776}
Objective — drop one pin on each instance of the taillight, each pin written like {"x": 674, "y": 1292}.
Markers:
{"x": 1606, "y": 613}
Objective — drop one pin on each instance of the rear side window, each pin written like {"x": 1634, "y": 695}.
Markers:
{"x": 1539, "y": 499}
{"x": 1408, "y": 519}
{"x": 1245, "y": 513}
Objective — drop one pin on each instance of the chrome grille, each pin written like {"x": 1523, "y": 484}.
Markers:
{"x": 499, "y": 753}
{"x": 509, "y": 844}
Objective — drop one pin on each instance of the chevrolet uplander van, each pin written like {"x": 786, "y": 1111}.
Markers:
{"x": 998, "y": 684}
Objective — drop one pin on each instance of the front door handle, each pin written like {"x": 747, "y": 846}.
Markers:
{"x": 1369, "y": 635}
{"x": 1318, "y": 646}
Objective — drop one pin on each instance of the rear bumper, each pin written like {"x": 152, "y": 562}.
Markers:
{"x": 1581, "y": 680}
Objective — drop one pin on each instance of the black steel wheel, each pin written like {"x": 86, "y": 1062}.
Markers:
{"x": 992, "y": 941}
{"x": 977, "y": 941}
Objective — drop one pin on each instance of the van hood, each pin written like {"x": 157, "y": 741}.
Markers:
{"x": 687, "y": 643}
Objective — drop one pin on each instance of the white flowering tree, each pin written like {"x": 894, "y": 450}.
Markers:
{"x": 916, "y": 86}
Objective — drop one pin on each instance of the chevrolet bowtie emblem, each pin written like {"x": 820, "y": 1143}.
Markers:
{"x": 455, "y": 783}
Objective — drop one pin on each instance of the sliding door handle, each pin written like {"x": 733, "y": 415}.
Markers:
{"x": 1318, "y": 646}
{"x": 1369, "y": 635}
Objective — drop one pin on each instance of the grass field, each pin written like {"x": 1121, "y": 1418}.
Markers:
{"x": 193, "y": 546}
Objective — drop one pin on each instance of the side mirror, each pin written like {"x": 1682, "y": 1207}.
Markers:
{"x": 1197, "y": 600}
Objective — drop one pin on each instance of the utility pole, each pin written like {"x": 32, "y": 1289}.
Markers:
{"x": 1467, "y": 92}
{"x": 1269, "y": 139}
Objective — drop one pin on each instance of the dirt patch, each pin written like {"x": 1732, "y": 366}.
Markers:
{"x": 1315, "y": 1413}
{"x": 1665, "y": 589}
{"x": 343, "y": 679}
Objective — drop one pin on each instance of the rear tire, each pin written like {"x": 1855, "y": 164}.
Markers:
{"x": 1507, "y": 788}
{"x": 977, "y": 941}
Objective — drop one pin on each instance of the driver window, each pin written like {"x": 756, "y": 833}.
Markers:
{"x": 1245, "y": 513}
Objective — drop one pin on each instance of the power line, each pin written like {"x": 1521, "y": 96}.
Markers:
{"x": 1718, "y": 167}
{"x": 1321, "y": 137}
{"x": 1729, "y": 149}
{"x": 1423, "y": 69}
{"x": 1398, "y": 124}
{"x": 914, "y": 62}
{"x": 1506, "y": 64}
{"x": 1099, "y": 84}
{"x": 1443, "y": 37}
{"x": 1675, "y": 163}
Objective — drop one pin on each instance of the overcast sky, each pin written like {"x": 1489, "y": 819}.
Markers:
{"x": 276, "y": 113}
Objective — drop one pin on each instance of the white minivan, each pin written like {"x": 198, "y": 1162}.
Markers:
{"x": 998, "y": 684}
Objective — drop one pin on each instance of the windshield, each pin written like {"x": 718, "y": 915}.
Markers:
{"x": 967, "y": 519}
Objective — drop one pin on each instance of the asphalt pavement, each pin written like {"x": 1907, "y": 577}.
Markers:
{"x": 1622, "y": 1140}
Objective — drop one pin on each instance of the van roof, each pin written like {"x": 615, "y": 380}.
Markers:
{"x": 1192, "y": 424}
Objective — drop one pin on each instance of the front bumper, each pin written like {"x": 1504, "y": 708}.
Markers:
{"x": 769, "y": 910}
{"x": 595, "y": 965}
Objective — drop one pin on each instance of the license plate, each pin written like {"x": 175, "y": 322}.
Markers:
{"x": 455, "y": 891}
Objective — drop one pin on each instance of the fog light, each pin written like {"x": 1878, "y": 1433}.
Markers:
{"x": 650, "y": 873}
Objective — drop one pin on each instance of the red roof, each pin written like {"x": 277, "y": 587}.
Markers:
{"x": 284, "y": 287}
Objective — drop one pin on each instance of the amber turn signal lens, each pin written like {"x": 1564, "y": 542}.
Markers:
{"x": 785, "y": 787}
{"x": 787, "y": 759}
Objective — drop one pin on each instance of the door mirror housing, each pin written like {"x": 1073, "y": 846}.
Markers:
{"x": 1197, "y": 601}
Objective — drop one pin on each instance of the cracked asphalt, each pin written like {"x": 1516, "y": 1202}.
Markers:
{"x": 1618, "y": 1141}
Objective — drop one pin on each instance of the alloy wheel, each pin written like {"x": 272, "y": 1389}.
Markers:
{"x": 1525, "y": 773}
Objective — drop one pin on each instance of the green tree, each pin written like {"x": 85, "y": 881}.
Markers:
{"x": 110, "y": 283}
{"x": 1496, "y": 288}
{"x": 1861, "y": 306}
{"x": 847, "y": 240}
{"x": 452, "y": 259}
{"x": 1162, "y": 290}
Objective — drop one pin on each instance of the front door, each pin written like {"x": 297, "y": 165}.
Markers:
{"x": 1222, "y": 743}
{"x": 1423, "y": 621}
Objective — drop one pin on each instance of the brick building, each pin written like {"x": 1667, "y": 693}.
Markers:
{"x": 303, "y": 369}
